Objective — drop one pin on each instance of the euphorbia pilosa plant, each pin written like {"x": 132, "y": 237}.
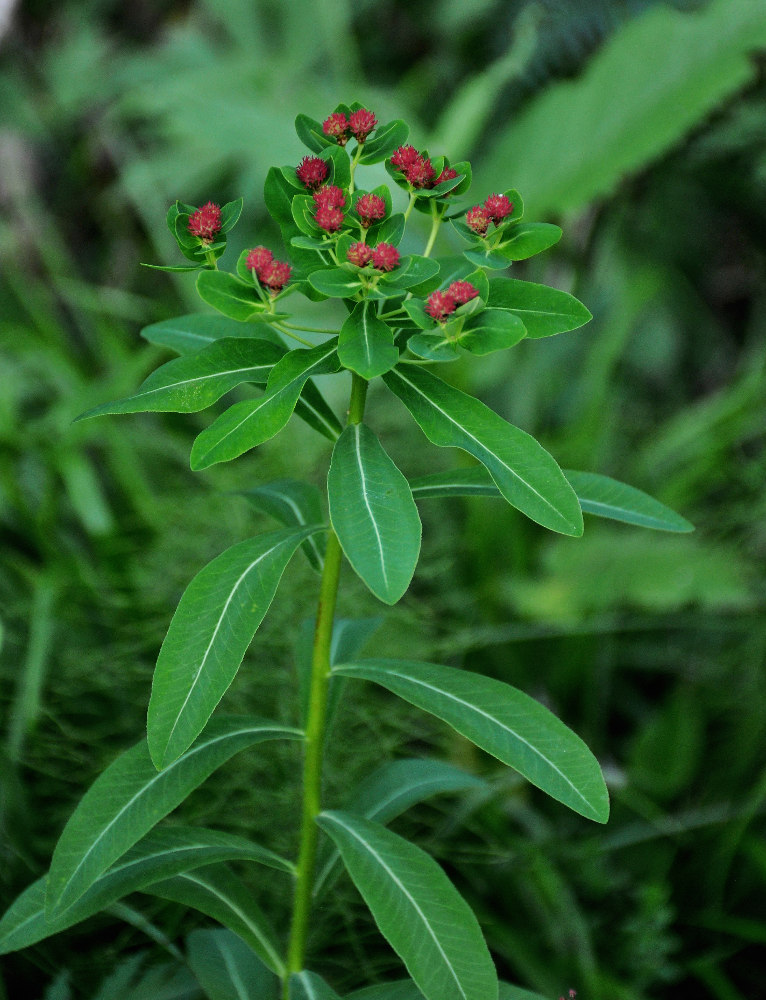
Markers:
{"x": 407, "y": 314}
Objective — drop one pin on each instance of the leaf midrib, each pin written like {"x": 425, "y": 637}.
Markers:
{"x": 363, "y": 478}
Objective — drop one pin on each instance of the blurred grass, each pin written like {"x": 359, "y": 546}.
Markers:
{"x": 651, "y": 647}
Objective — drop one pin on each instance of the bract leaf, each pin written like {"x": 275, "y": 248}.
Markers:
{"x": 366, "y": 343}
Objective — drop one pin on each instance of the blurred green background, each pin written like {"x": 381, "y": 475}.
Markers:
{"x": 640, "y": 126}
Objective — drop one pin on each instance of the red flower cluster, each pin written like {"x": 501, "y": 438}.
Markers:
{"x": 205, "y": 222}
{"x": 370, "y": 208}
{"x": 359, "y": 124}
{"x": 272, "y": 274}
{"x": 496, "y": 208}
{"x": 329, "y": 201}
{"x": 418, "y": 169}
{"x": 312, "y": 172}
{"x": 440, "y": 305}
{"x": 384, "y": 257}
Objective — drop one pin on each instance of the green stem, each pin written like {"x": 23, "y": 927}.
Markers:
{"x": 315, "y": 729}
{"x": 411, "y": 205}
{"x": 435, "y": 224}
{"x": 211, "y": 259}
{"x": 354, "y": 164}
{"x": 289, "y": 333}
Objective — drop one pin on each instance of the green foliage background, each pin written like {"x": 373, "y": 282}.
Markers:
{"x": 638, "y": 126}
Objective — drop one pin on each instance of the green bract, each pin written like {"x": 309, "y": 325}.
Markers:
{"x": 400, "y": 314}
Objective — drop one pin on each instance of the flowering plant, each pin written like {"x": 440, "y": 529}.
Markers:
{"x": 406, "y": 312}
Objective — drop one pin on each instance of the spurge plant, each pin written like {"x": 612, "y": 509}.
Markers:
{"x": 407, "y": 314}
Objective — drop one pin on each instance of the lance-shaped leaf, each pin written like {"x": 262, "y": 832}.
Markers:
{"x": 366, "y": 343}
{"x": 191, "y": 383}
{"x": 544, "y": 311}
{"x": 399, "y": 989}
{"x": 597, "y": 494}
{"x": 251, "y": 422}
{"x": 416, "y": 907}
{"x": 131, "y": 797}
{"x": 505, "y": 722}
{"x": 337, "y": 282}
{"x": 229, "y": 295}
{"x": 189, "y": 334}
{"x": 309, "y": 986}
{"x": 162, "y": 853}
{"x": 218, "y": 893}
{"x": 295, "y": 504}
{"x": 227, "y": 968}
{"x": 373, "y": 513}
{"x": 525, "y": 473}
{"x": 527, "y": 239}
{"x": 393, "y": 788}
{"x": 317, "y": 413}
{"x": 211, "y": 629}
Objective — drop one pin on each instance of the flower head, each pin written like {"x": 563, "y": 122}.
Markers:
{"x": 205, "y": 222}
{"x": 359, "y": 254}
{"x": 404, "y": 157}
{"x": 259, "y": 259}
{"x": 448, "y": 174}
{"x": 462, "y": 292}
{"x": 476, "y": 218}
{"x": 497, "y": 207}
{"x": 329, "y": 196}
{"x": 329, "y": 219}
{"x": 312, "y": 172}
{"x": 420, "y": 173}
{"x": 336, "y": 127}
{"x": 385, "y": 257}
{"x": 370, "y": 208}
{"x": 275, "y": 276}
{"x": 440, "y": 305}
{"x": 361, "y": 123}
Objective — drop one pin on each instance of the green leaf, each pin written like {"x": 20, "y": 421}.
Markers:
{"x": 278, "y": 195}
{"x": 609, "y": 498}
{"x": 228, "y": 969}
{"x": 487, "y": 258}
{"x": 337, "y": 157}
{"x": 230, "y": 214}
{"x": 309, "y": 986}
{"x": 310, "y": 133}
{"x": 366, "y": 343}
{"x": 389, "y": 230}
{"x": 213, "y": 625}
{"x": 505, "y": 722}
{"x": 416, "y": 310}
{"x": 303, "y": 211}
{"x": 337, "y": 282}
{"x": 412, "y": 271}
{"x": 189, "y": 334}
{"x": 527, "y": 239}
{"x": 387, "y": 138}
{"x": 492, "y": 330}
{"x": 295, "y": 504}
{"x": 416, "y": 907}
{"x": 229, "y": 295}
{"x": 544, "y": 311}
{"x": 162, "y": 853}
{"x": 400, "y": 989}
{"x": 393, "y": 788}
{"x": 647, "y": 87}
{"x": 131, "y": 797}
{"x": 524, "y": 472}
{"x": 433, "y": 346}
{"x": 174, "y": 268}
{"x": 218, "y": 893}
{"x": 313, "y": 408}
{"x": 251, "y": 422}
{"x": 597, "y": 495}
{"x": 373, "y": 513}
{"x": 195, "y": 381}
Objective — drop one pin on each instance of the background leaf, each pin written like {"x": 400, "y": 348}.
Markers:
{"x": 294, "y": 503}
{"x": 227, "y": 968}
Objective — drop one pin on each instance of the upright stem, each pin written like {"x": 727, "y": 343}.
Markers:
{"x": 315, "y": 728}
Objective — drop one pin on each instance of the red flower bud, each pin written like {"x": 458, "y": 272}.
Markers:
{"x": 361, "y": 123}
{"x": 359, "y": 254}
{"x": 462, "y": 292}
{"x": 369, "y": 208}
{"x": 447, "y": 174}
{"x": 336, "y": 127}
{"x": 404, "y": 157}
{"x": 329, "y": 219}
{"x": 205, "y": 222}
{"x": 420, "y": 173}
{"x": 329, "y": 196}
{"x": 497, "y": 207}
{"x": 312, "y": 172}
{"x": 385, "y": 257}
{"x": 276, "y": 276}
{"x": 259, "y": 259}
{"x": 478, "y": 220}
{"x": 440, "y": 305}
